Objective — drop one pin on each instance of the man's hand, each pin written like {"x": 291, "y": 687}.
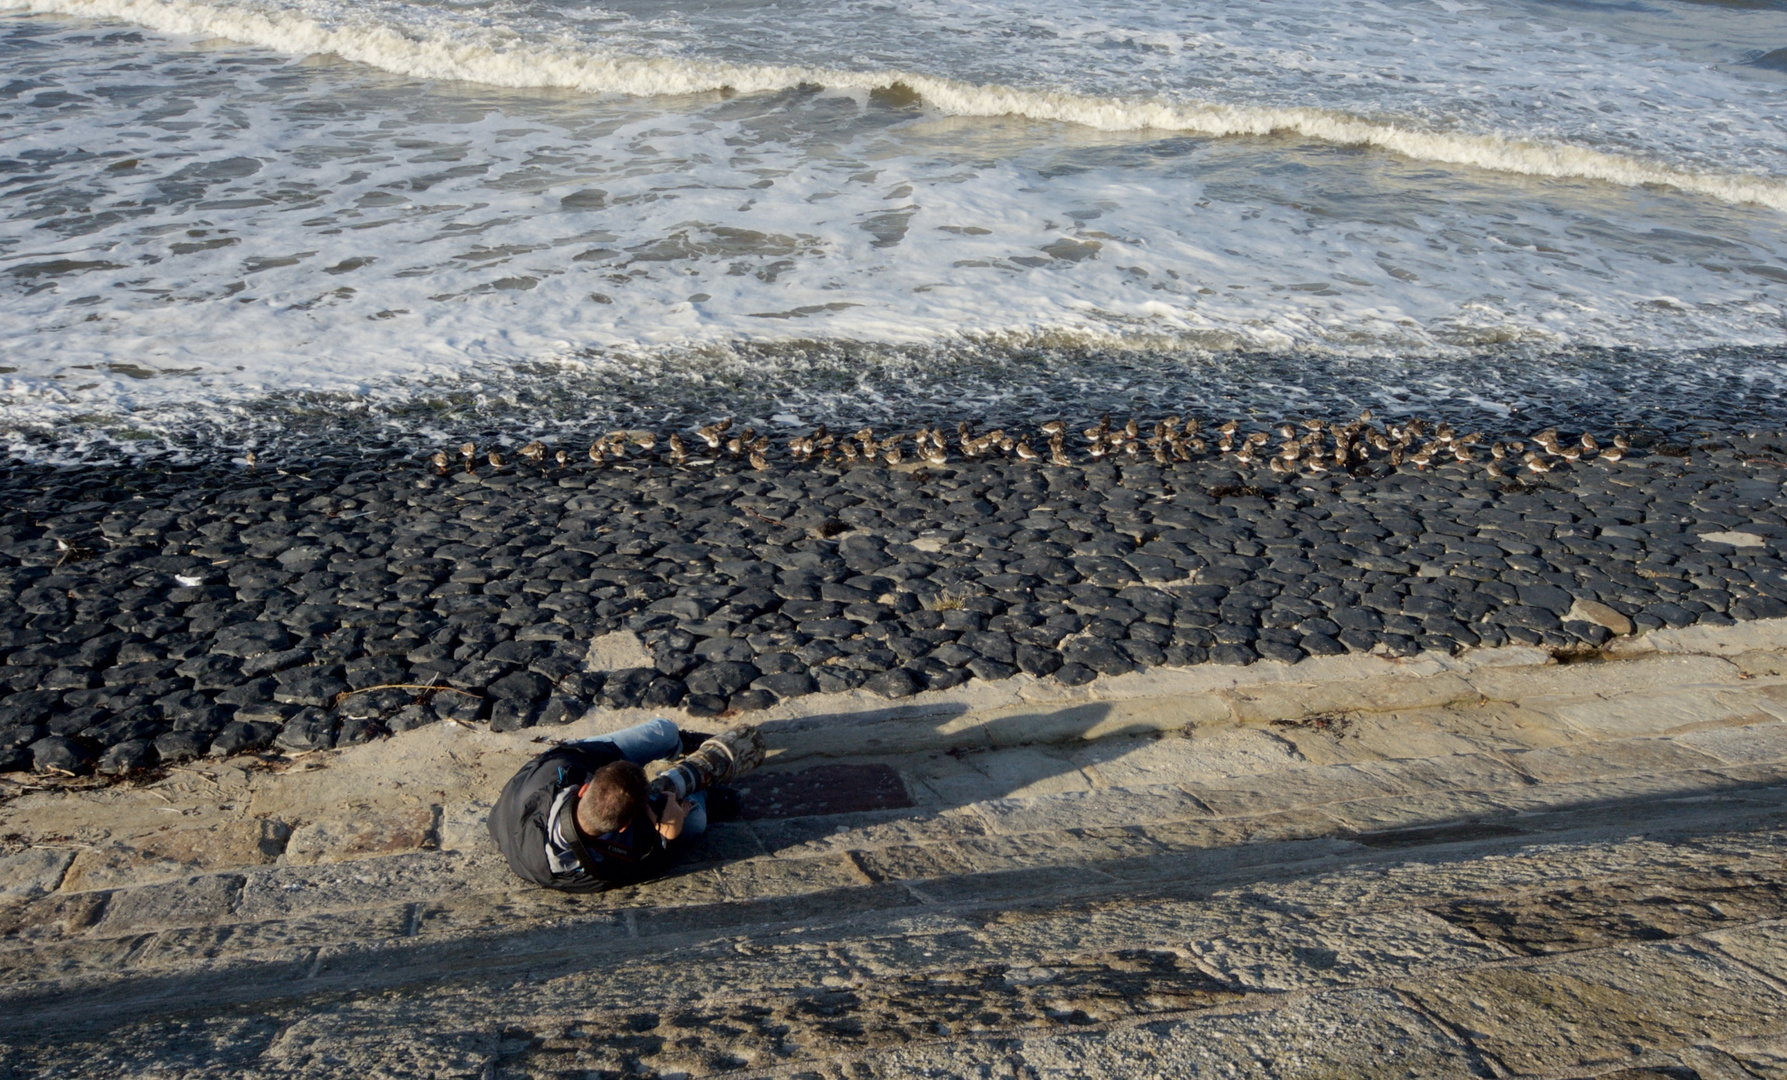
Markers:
{"x": 670, "y": 823}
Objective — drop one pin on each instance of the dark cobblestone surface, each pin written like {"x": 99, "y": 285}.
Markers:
{"x": 149, "y": 615}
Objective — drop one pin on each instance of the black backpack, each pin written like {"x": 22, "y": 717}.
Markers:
{"x": 518, "y": 823}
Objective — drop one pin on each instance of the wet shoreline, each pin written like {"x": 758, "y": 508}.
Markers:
{"x": 1676, "y": 396}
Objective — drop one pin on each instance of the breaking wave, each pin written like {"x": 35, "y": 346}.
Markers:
{"x": 492, "y": 58}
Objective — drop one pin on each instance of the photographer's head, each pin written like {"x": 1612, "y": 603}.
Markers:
{"x": 614, "y": 798}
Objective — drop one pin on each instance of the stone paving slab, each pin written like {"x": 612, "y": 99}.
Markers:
{"x": 1603, "y": 1009}
{"x": 1364, "y": 1033}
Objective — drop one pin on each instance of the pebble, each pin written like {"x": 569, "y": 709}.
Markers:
{"x": 204, "y": 609}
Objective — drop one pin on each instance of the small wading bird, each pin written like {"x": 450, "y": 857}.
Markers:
{"x": 710, "y": 434}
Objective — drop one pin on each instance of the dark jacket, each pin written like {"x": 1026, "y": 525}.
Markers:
{"x": 519, "y": 824}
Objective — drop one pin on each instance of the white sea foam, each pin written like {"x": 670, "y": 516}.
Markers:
{"x": 206, "y": 223}
{"x": 506, "y": 59}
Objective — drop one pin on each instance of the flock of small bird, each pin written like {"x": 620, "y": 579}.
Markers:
{"x": 1308, "y": 447}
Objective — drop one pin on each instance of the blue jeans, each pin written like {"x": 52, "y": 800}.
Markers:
{"x": 650, "y": 741}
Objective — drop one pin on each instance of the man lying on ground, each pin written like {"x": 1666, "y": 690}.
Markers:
{"x": 581, "y": 816}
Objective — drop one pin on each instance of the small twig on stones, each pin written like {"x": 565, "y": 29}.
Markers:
{"x": 947, "y": 601}
{"x": 1335, "y": 725}
{"x": 71, "y": 553}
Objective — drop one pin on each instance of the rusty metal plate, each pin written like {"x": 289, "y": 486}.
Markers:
{"x": 824, "y": 789}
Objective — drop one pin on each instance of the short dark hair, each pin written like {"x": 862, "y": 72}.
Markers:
{"x": 615, "y": 798}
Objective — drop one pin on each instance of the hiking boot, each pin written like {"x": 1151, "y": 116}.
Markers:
{"x": 692, "y": 740}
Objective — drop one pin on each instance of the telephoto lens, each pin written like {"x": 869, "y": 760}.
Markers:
{"x": 723, "y": 758}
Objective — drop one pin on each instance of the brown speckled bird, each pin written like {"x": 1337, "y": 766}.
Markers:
{"x": 710, "y": 433}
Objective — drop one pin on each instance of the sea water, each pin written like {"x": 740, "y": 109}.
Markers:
{"x": 218, "y": 210}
